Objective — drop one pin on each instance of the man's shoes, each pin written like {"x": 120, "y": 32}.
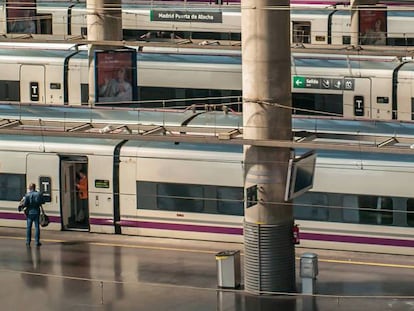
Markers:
{"x": 38, "y": 244}
{"x": 27, "y": 244}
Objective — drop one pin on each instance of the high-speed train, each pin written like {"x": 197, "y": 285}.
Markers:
{"x": 359, "y": 201}
{"x": 336, "y": 85}
{"x": 312, "y": 22}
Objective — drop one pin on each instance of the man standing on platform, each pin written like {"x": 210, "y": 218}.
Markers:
{"x": 33, "y": 202}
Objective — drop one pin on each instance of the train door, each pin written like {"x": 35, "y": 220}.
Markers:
{"x": 43, "y": 170}
{"x": 32, "y": 84}
{"x": 357, "y": 98}
{"x": 403, "y": 102}
{"x": 75, "y": 208}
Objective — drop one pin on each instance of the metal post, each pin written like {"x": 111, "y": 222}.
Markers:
{"x": 308, "y": 272}
{"x": 269, "y": 251}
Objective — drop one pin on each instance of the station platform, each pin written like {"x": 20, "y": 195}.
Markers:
{"x": 84, "y": 271}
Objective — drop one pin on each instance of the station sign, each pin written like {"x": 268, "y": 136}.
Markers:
{"x": 345, "y": 84}
{"x": 186, "y": 16}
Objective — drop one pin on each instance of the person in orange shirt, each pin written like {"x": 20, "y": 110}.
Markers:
{"x": 82, "y": 187}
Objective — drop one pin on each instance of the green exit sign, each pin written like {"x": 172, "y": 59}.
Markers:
{"x": 299, "y": 82}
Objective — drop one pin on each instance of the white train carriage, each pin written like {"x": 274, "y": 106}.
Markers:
{"x": 313, "y": 23}
{"x": 358, "y": 87}
{"x": 364, "y": 87}
{"x": 359, "y": 201}
{"x": 52, "y": 163}
{"x": 181, "y": 190}
{"x": 195, "y": 191}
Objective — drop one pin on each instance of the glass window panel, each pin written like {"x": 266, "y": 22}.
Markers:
{"x": 375, "y": 210}
{"x": 317, "y": 104}
{"x": 12, "y": 187}
{"x": 410, "y": 212}
{"x": 180, "y": 197}
{"x": 301, "y": 32}
{"x": 311, "y": 206}
{"x": 230, "y": 201}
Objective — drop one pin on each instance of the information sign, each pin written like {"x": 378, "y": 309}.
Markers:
{"x": 346, "y": 84}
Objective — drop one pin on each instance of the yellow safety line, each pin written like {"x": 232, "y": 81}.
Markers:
{"x": 363, "y": 263}
{"x": 349, "y": 262}
{"x": 155, "y": 248}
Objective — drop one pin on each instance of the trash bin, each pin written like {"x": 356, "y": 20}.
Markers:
{"x": 308, "y": 272}
{"x": 228, "y": 269}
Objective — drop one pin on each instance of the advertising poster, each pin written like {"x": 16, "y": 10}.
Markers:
{"x": 21, "y": 16}
{"x": 373, "y": 27}
{"x": 115, "y": 76}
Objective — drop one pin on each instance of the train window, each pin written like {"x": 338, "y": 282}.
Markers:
{"x": 405, "y": 41}
{"x": 216, "y": 36}
{"x": 230, "y": 201}
{"x": 301, "y": 32}
{"x": 311, "y": 206}
{"x": 158, "y": 94}
{"x": 346, "y": 40}
{"x": 9, "y": 90}
{"x": 84, "y": 93}
{"x": 412, "y": 108}
{"x": 135, "y": 34}
{"x": 180, "y": 197}
{"x": 410, "y": 212}
{"x": 44, "y": 24}
{"x": 375, "y": 210}
{"x": 170, "y": 197}
{"x": 190, "y": 198}
{"x": 317, "y": 104}
{"x": 12, "y": 187}
{"x": 350, "y": 212}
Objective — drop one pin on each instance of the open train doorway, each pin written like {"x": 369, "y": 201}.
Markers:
{"x": 74, "y": 195}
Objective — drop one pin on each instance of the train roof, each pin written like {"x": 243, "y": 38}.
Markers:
{"x": 354, "y": 127}
{"x": 345, "y": 61}
{"x": 205, "y": 150}
{"x": 337, "y": 61}
{"x": 197, "y": 119}
{"x": 25, "y": 52}
{"x": 62, "y": 145}
{"x": 96, "y": 115}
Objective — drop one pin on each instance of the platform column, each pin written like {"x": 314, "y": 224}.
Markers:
{"x": 266, "y": 64}
{"x": 354, "y": 22}
{"x": 104, "y": 21}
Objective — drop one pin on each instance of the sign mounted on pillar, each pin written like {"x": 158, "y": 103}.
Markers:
{"x": 251, "y": 196}
{"x": 373, "y": 26}
{"x": 301, "y": 171}
{"x": 116, "y": 76}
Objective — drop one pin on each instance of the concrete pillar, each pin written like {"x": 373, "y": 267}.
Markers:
{"x": 104, "y": 21}
{"x": 269, "y": 251}
{"x": 354, "y": 22}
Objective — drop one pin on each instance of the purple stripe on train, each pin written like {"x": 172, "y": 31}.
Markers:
{"x": 182, "y": 227}
{"x": 356, "y": 239}
{"x": 228, "y": 230}
{"x": 20, "y": 216}
{"x": 303, "y": 235}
